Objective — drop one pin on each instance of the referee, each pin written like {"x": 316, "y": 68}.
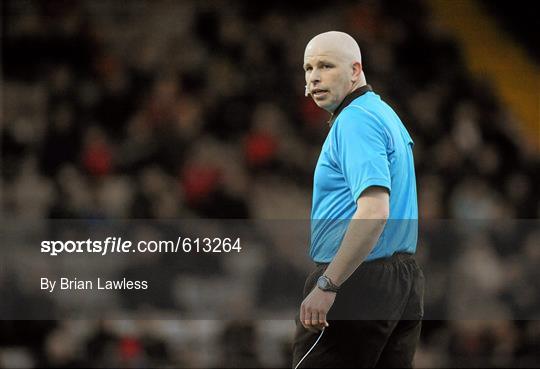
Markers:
{"x": 363, "y": 303}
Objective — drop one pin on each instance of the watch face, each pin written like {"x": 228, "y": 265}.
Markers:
{"x": 322, "y": 283}
{"x": 325, "y": 284}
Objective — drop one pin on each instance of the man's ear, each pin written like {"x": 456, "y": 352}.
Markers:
{"x": 356, "y": 71}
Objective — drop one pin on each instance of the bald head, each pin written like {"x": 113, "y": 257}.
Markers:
{"x": 333, "y": 68}
{"x": 334, "y": 43}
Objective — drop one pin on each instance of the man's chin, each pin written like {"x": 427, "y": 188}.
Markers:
{"x": 321, "y": 104}
{"x": 325, "y": 106}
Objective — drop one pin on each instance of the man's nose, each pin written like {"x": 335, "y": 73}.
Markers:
{"x": 314, "y": 76}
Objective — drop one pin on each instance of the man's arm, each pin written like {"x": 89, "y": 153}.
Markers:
{"x": 362, "y": 235}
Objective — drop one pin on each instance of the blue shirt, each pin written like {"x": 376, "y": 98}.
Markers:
{"x": 367, "y": 145}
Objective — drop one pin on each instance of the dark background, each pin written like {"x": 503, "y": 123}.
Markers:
{"x": 188, "y": 109}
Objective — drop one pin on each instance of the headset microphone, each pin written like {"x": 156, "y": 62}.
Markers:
{"x": 307, "y": 91}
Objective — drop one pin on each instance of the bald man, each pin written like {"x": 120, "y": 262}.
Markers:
{"x": 363, "y": 303}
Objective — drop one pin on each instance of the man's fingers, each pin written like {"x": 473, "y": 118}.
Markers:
{"x": 314, "y": 319}
{"x": 311, "y": 322}
{"x": 307, "y": 318}
{"x": 322, "y": 320}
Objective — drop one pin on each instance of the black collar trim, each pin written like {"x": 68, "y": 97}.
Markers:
{"x": 347, "y": 100}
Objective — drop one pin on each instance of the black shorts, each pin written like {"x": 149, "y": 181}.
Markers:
{"x": 375, "y": 320}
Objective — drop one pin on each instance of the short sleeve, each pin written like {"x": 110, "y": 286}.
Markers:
{"x": 360, "y": 150}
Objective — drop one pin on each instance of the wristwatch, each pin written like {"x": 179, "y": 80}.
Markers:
{"x": 325, "y": 284}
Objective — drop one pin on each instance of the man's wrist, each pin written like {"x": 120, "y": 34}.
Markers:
{"x": 326, "y": 284}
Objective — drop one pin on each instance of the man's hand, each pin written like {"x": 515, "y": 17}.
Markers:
{"x": 314, "y": 309}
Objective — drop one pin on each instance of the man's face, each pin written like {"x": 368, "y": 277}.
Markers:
{"x": 328, "y": 78}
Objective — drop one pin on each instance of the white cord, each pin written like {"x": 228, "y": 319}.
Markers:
{"x": 312, "y": 347}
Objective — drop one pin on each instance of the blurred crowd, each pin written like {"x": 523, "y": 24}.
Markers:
{"x": 196, "y": 109}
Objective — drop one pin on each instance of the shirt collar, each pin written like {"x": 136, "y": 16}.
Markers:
{"x": 347, "y": 100}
